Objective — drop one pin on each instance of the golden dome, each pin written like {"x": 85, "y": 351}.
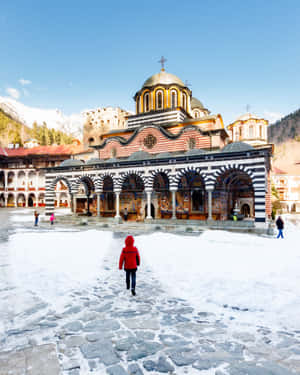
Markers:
{"x": 163, "y": 78}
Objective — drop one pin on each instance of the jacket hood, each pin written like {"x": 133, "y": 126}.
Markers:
{"x": 129, "y": 241}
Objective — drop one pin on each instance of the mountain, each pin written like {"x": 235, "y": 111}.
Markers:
{"x": 288, "y": 128}
{"x": 54, "y": 118}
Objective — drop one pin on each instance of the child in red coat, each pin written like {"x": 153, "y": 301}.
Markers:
{"x": 130, "y": 257}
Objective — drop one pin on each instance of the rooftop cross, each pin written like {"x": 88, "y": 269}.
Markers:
{"x": 162, "y": 62}
{"x": 187, "y": 84}
{"x": 248, "y": 108}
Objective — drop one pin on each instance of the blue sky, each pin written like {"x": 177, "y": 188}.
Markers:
{"x": 75, "y": 55}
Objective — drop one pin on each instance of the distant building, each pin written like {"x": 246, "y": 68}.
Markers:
{"x": 288, "y": 188}
{"x": 102, "y": 120}
{"x": 30, "y": 143}
{"x": 22, "y": 175}
{"x": 250, "y": 129}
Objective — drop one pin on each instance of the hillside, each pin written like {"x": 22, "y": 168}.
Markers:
{"x": 54, "y": 118}
{"x": 288, "y": 128}
{"x": 12, "y": 131}
{"x": 287, "y": 157}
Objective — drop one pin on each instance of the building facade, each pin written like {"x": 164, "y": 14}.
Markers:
{"x": 172, "y": 161}
{"x": 288, "y": 188}
{"x": 22, "y": 175}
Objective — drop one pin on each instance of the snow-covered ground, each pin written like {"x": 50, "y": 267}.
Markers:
{"x": 245, "y": 279}
{"x": 255, "y": 279}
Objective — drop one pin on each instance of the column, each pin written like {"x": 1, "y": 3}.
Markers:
{"x": 173, "y": 204}
{"x": 15, "y": 199}
{"x": 5, "y": 200}
{"x": 26, "y": 181}
{"x": 149, "y": 217}
{"x": 5, "y": 181}
{"x": 16, "y": 181}
{"x": 26, "y": 199}
{"x": 209, "y": 204}
{"x": 98, "y": 204}
{"x": 117, "y": 217}
{"x": 37, "y": 181}
{"x": 57, "y": 199}
{"x": 74, "y": 204}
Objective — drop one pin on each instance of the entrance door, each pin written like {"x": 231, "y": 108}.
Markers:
{"x": 245, "y": 210}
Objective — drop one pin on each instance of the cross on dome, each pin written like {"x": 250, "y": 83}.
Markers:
{"x": 162, "y": 62}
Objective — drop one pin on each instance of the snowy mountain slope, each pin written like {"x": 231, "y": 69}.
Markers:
{"x": 54, "y": 118}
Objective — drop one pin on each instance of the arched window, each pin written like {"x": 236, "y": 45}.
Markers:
{"x": 240, "y": 133}
{"x": 251, "y": 131}
{"x": 173, "y": 99}
{"x": 191, "y": 143}
{"x": 146, "y": 102}
{"x": 184, "y": 101}
{"x": 196, "y": 114}
{"x": 159, "y": 100}
{"x": 260, "y": 131}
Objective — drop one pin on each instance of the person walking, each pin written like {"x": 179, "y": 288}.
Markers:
{"x": 52, "y": 219}
{"x": 130, "y": 257}
{"x": 125, "y": 213}
{"x": 280, "y": 226}
{"x": 36, "y": 218}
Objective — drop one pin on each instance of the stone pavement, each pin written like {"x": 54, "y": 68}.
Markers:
{"x": 105, "y": 330}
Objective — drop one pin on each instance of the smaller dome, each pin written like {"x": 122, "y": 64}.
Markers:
{"x": 139, "y": 155}
{"x": 247, "y": 116}
{"x": 163, "y": 78}
{"x": 71, "y": 163}
{"x": 194, "y": 151}
{"x": 195, "y": 103}
{"x": 94, "y": 161}
{"x": 164, "y": 155}
{"x": 236, "y": 147}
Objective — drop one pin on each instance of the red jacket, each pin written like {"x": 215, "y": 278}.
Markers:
{"x": 130, "y": 255}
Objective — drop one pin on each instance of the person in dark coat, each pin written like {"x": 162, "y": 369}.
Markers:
{"x": 280, "y": 226}
{"x": 130, "y": 257}
{"x": 36, "y": 218}
{"x": 125, "y": 213}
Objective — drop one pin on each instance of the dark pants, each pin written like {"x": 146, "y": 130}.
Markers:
{"x": 280, "y": 234}
{"x": 36, "y": 221}
{"x": 133, "y": 278}
{"x": 51, "y": 222}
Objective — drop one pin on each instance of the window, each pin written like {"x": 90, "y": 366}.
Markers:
{"x": 240, "y": 133}
{"x": 146, "y": 102}
{"x": 196, "y": 114}
{"x": 251, "y": 131}
{"x": 184, "y": 101}
{"x": 150, "y": 141}
{"x": 159, "y": 100}
{"x": 191, "y": 143}
{"x": 113, "y": 153}
{"x": 260, "y": 131}
{"x": 173, "y": 99}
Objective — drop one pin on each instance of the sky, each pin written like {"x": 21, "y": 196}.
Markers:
{"x": 76, "y": 55}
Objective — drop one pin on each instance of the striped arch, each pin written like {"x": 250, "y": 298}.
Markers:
{"x": 68, "y": 183}
{"x": 80, "y": 179}
{"x": 124, "y": 175}
{"x": 154, "y": 173}
{"x": 212, "y": 179}
{"x": 182, "y": 171}
{"x": 99, "y": 180}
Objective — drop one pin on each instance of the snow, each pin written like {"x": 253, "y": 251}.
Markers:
{"x": 239, "y": 271}
{"x": 218, "y": 271}
{"x": 54, "y": 118}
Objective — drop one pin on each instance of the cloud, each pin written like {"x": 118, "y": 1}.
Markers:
{"x": 14, "y": 93}
{"x": 272, "y": 116}
{"x": 24, "y": 81}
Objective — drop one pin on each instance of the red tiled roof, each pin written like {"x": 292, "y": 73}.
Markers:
{"x": 278, "y": 171}
{"x": 43, "y": 150}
